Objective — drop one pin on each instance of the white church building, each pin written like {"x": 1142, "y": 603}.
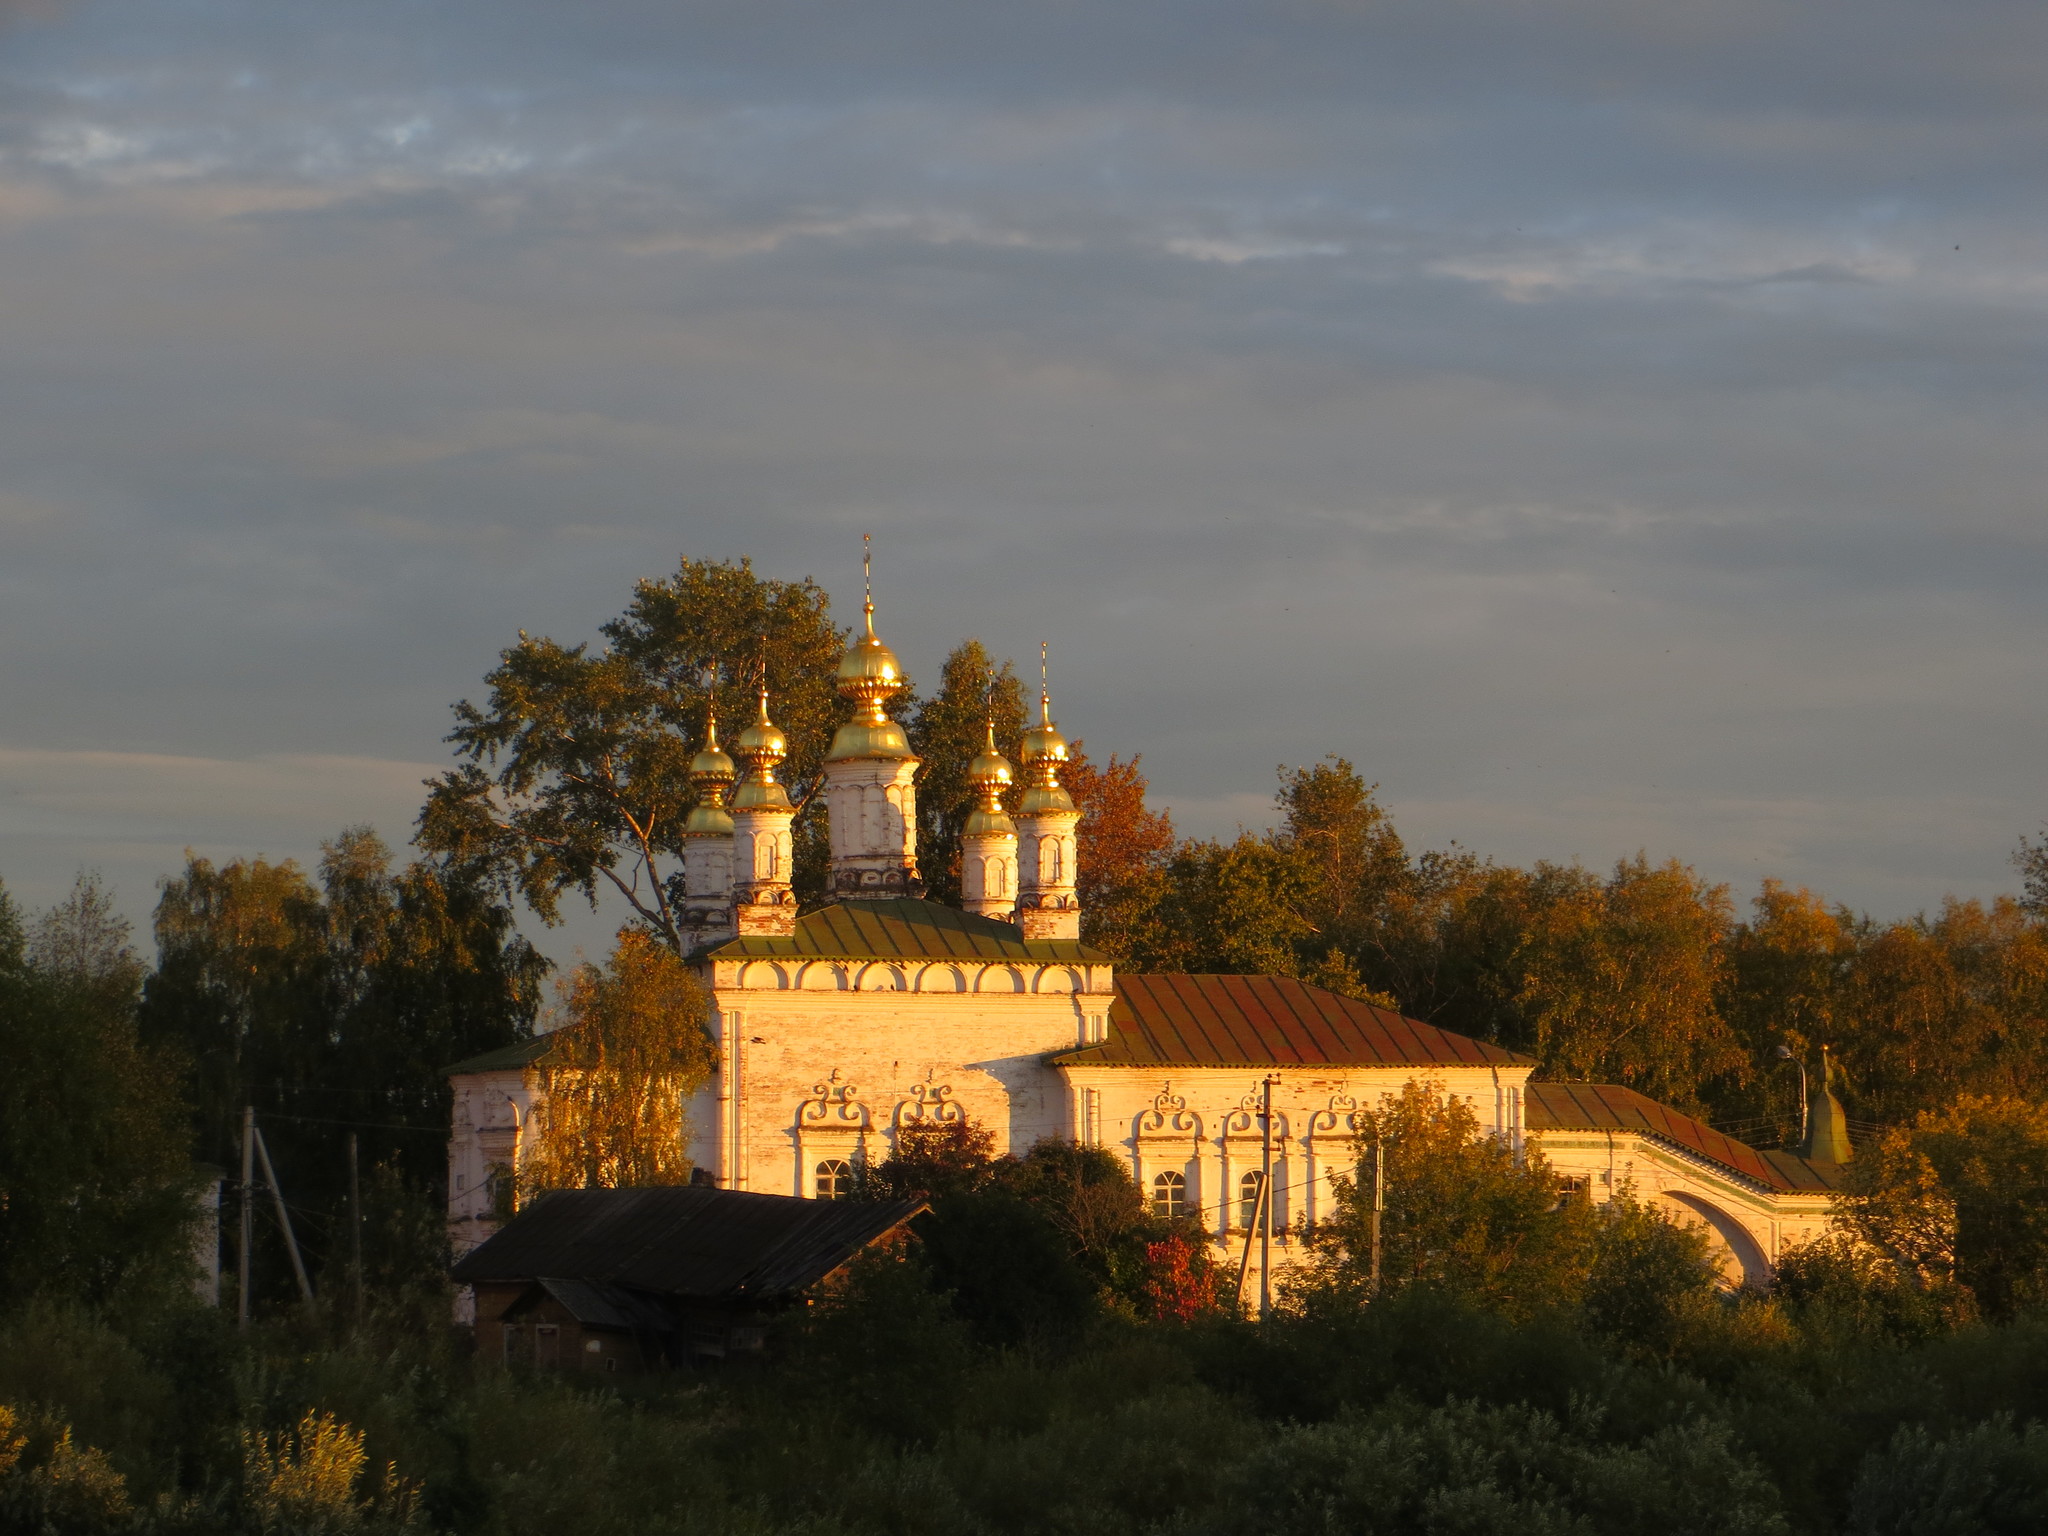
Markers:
{"x": 836, "y": 1028}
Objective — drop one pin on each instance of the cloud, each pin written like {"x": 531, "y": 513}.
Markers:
{"x": 1607, "y": 425}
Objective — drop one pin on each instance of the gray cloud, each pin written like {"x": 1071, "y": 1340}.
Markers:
{"x": 1610, "y": 426}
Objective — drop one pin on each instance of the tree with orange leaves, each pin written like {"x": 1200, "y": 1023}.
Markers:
{"x": 1124, "y": 846}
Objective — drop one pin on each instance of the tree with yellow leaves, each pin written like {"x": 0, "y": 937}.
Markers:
{"x": 619, "y": 1076}
{"x": 1955, "y": 1199}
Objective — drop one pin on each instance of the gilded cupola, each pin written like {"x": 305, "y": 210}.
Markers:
{"x": 712, "y": 772}
{"x": 1044, "y": 749}
{"x": 869, "y": 675}
{"x": 989, "y": 773}
{"x": 761, "y": 746}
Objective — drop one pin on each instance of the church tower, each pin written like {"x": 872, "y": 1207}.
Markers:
{"x": 707, "y": 847}
{"x": 869, "y": 794}
{"x": 762, "y": 847}
{"x": 1047, "y": 905}
{"x": 988, "y": 848}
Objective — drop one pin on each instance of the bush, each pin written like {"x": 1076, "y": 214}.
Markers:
{"x": 1010, "y": 1273}
{"x": 56, "y": 1487}
{"x": 1651, "y": 1279}
{"x": 1837, "y": 1288}
{"x": 1989, "y": 1480}
{"x": 888, "y": 1343}
{"x": 1468, "y": 1468}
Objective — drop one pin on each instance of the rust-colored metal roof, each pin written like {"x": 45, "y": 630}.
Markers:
{"x": 1805, "y": 1174}
{"x": 1234, "y": 1021}
{"x": 684, "y": 1241}
{"x": 903, "y": 928}
{"x": 1610, "y": 1107}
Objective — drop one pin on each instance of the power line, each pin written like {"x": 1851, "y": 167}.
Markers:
{"x": 361, "y": 1125}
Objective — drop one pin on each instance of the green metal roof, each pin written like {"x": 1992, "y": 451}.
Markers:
{"x": 906, "y": 929}
{"x": 519, "y": 1053}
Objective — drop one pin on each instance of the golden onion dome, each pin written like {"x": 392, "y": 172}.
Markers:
{"x": 711, "y": 769}
{"x": 1044, "y": 750}
{"x": 989, "y": 773}
{"x": 1045, "y": 741}
{"x": 712, "y": 765}
{"x": 990, "y": 770}
{"x": 869, "y": 675}
{"x": 869, "y": 669}
{"x": 762, "y": 744}
{"x": 712, "y": 772}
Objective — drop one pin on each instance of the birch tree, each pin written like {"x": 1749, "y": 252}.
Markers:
{"x": 618, "y": 1078}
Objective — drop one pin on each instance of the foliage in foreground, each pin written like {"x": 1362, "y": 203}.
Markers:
{"x": 1032, "y": 1249}
{"x": 881, "y": 1413}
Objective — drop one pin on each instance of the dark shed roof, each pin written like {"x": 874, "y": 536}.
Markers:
{"x": 519, "y": 1053}
{"x": 1228, "y": 1021}
{"x": 685, "y": 1241}
{"x": 1610, "y": 1107}
{"x": 907, "y": 929}
{"x": 600, "y": 1306}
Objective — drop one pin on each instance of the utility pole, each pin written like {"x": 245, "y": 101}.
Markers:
{"x": 1379, "y": 1207}
{"x": 284, "y": 1217}
{"x": 1266, "y": 1202}
{"x": 248, "y": 1215}
{"x": 1251, "y": 1225}
{"x": 355, "y": 1222}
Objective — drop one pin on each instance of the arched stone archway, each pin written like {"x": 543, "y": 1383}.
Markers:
{"x": 1742, "y": 1258}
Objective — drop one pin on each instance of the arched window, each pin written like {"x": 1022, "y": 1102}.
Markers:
{"x": 1170, "y": 1196}
{"x": 1248, "y": 1198}
{"x": 835, "y": 1179}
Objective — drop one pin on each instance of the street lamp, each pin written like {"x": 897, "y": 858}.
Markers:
{"x": 1785, "y": 1054}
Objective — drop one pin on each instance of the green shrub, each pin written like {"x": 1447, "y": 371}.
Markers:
{"x": 1469, "y": 1469}
{"x": 1988, "y": 1480}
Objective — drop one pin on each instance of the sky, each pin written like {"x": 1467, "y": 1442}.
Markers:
{"x": 1612, "y": 427}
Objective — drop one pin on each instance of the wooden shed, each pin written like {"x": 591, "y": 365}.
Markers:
{"x": 626, "y": 1280}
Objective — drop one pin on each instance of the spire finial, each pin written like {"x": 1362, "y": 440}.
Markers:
{"x": 869, "y": 675}
{"x": 867, "y": 580}
{"x": 990, "y": 771}
{"x": 761, "y": 746}
{"x": 711, "y": 771}
{"x": 1044, "y": 689}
